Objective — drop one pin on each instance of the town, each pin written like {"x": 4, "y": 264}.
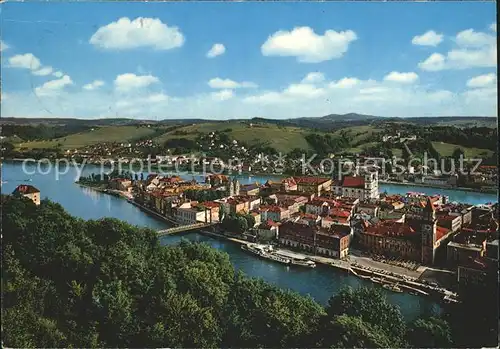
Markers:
{"x": 347, "y": 223}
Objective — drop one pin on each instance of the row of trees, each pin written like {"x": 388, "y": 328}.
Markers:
{"x": 238, "y": 223}
{"x": 67, "y": 282}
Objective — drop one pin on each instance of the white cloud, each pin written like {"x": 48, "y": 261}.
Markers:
{"x": 3, "y": 46}
{"x": 314, "y": 78}
{"x": 216, "y": 50}
{"x": 222, "y": 95}
{"x": 24, "y": 61}
{"x": 471, "y": 38}
{"x": 307, "y": 46}
{"x": 127, "y": 82}
{"x": 473, "y": 50}
{"x": 93, "y": 85}
{"x": 485, "y": 80}
{"x": 493, "y": 27}
{"x": 298, "y": 99}
{"x": 140, "y": 32}
{"x": 429, "y": 38}
{"x": 404, "y": 78}
{"x": 43, "y": 71}
{"x": 230, "y": 84}
{"x": 58, "y": 74}
{"x": 52, "y": 87}
{"x": 344, "y": 83}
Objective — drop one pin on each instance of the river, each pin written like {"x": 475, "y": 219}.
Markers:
{"x": 320, "y": 283}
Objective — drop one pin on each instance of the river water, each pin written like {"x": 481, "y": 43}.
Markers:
{"x": 320, "y": 283}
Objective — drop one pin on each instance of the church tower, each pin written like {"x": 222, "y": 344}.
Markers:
{"x": 231, "y": 188}
{"x": 236, "y": 187}
{"x": 428, "y": 227}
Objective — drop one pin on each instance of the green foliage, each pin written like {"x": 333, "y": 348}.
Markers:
{"x": 371, "y": 306}
{"x": 67, "y": 282}
{"x": 236, "y": 223}
{"x": 325, "y": 143}
{"x": 429, "y": 333}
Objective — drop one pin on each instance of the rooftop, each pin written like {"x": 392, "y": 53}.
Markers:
{"x": 26, "y": 189}
{"x": 353, "y": 182}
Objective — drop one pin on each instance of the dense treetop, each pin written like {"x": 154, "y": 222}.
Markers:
{"x": 67, "y": 282}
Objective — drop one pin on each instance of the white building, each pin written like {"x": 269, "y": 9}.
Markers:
{"x": 363, "y": 187}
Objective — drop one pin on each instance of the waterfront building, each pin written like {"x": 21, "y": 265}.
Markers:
{"x": 273, "y": 212}
{"x": 297, "y": 235}
{"x": 331, "y": 242}
{"x": 122, "y": 184}
{"x": 239, "y": 203}
{"x": 334, "y": 241}
{"x": 315, "y": 185}
{"x": 189, "y": 213}
{"x": 476, "y": 272}
{"x": 28, "y": 191}
{"x": 250, "y": 189}
{"x": 465, "y": 246}
{"x": 363, "y": 187}
{"x": 268, "y": 231}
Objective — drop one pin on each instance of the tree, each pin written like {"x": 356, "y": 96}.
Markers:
{"x": 222, "y": 212}
{"x": 429, "y": 333}
{"x": 372, "y": 307}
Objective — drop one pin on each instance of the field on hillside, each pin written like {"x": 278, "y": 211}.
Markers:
{"x": 446, "y": 149}
{"x": 360, "y": 135}
{"x": 98, "y": 135}
{"x": 281, "y": 138}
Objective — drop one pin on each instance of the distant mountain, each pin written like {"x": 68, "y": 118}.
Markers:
{"x": 327, "y": 122}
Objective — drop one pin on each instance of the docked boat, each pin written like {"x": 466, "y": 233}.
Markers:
{"x": 394, "y": 288}
{"x": 304, "y": 263}
{"x": 265, "y": 252}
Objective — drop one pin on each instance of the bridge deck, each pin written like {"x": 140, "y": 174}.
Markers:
{"x": 183, "y": 228}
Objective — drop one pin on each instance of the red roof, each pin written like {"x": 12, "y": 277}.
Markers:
{"x": 26, "y": 189}
{"x": 440, "y": 232}
{"x": 311, "y": 180}
{"x": 388, "y": 228}
{"x": 339, "y": 213}
{"x": 353, "y": 182}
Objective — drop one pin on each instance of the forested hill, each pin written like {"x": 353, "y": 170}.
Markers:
{"x": 67, "y": 282}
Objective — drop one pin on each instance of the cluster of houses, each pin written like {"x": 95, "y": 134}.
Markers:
{"x": 326, "y": 217}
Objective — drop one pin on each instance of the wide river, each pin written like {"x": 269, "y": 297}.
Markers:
{"x": 320, "y": 283}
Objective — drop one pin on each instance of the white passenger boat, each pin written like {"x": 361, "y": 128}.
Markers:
{"x": 265, "y": 251}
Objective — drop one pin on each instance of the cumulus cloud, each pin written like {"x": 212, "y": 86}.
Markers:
{"x": 473, "y": 50}
{"x": 344, "y": 83}
{"x": 230, "y": 84}
{"x": 485, "y": 80}
{"x": 3, "y": 46}
{"x": 429, "y": 38}
{"x": 52, "y": 87}
{"x": 129, "y": 81}
{"x": 405, "y": 78}
{"x": 493, "y": 27}
{"x": 314, "y": 77}
{"x": 216, "y": 50}
{"x": 222, "y": 95}
{"x": 140, "y": 32}
{"x": 93, "y": 85}
{"x": 307, "y": 46}
{"x": 43, "y": 71}
{"x": 58, "y": 74}
{"x": 24, "y": 61}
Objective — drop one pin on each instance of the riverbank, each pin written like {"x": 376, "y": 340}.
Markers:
{"x": 411, "y": 184}
{"x": 385, "y": 274}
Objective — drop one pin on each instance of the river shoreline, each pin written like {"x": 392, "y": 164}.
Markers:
{"x": 411, "y": 184}
{"x": 277, "y": 176}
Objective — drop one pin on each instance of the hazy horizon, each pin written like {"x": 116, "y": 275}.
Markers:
{"x": 223, "y": 61}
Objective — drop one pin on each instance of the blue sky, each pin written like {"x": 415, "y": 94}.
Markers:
{"x": 278, "y": 60}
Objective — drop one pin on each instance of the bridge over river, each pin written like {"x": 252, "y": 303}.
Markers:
{"x": 184, "y": 228}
